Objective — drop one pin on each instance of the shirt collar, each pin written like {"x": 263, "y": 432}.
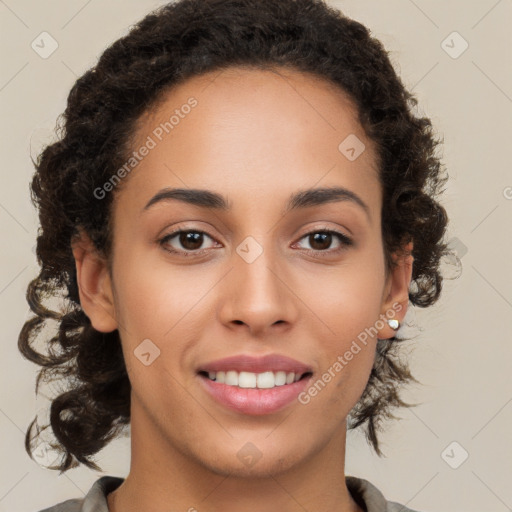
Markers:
{"x": 363, "y": 492}
{"x": 96, "y": 499}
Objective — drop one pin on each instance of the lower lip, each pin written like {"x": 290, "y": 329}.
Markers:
{"x": 254, "y": 401}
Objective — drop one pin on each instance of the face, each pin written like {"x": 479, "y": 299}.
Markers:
{"x": 254, "y": 272}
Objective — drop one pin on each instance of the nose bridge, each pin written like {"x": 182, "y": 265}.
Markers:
{"x": 257, "y": 295}
{"x": 256, "y": 264}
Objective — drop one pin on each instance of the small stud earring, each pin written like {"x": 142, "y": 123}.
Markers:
{"x": 394, "y": 324}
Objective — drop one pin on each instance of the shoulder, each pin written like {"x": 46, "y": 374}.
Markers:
{"x": 74, "y": 505}
{"x": 398, "y": 507}
{"x": 363, "y": 492}
{"x": 370, "y": 497}
{"x": 95, "y": 499}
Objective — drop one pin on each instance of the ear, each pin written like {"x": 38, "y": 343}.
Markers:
{"x": 396, "y": 292}
{"x": 94, "y": 284}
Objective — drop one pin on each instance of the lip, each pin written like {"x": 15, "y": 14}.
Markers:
{"x": 254, "y": 401}
{"x": 246, "y": 363}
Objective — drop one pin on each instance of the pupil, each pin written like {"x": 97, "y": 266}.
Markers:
{"x": 322, "y": 237}
{"x": 191, "y": 240}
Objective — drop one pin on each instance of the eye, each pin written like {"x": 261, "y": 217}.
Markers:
{"x": 320, "y": 240}
{"x": 190, "y": 240}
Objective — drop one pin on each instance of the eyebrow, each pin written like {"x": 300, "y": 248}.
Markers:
{"x": 301, "y": 199}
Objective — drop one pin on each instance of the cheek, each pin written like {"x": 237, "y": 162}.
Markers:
{"x": 156, "y": 298}
{"x": 161, "y": 303}
{"x": 347, "y": 297}
{"x": 153, "y": 297}
{"x": 153, "y": 304}
{"x": 348, "y": 302}
{"x": 346, "y": 360}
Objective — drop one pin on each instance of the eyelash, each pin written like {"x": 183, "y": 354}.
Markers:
{"x": 345, "y": 241}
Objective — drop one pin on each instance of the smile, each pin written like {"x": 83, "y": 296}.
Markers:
{"x": 249, "y": 380}
{"x": 254, "y": 393}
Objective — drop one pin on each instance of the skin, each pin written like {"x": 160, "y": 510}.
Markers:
{"x": 236, "y": 142}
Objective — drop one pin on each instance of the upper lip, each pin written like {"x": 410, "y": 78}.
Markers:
{"x": 268, "y": 363}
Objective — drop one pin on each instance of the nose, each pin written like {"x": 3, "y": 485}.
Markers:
{"x": 258, "y": 294}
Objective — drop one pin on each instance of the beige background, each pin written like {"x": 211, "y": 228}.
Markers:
{"x": 462, "y": 353}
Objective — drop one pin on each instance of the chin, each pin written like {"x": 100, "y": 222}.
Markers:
{"x": 249, "y": 461}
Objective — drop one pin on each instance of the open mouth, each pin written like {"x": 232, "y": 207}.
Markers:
{"x": 250, "y": 380}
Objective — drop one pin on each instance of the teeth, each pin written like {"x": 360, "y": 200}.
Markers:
{"x": 265, "y": 380}
{"x": 231, "y": 378}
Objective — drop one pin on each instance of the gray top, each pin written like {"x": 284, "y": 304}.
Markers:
{"x": 367, "y": 496}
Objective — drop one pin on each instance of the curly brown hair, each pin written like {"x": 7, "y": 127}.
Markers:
{"x": 174, "y": 42}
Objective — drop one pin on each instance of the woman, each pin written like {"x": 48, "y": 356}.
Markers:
{"x": 240, "y": 208}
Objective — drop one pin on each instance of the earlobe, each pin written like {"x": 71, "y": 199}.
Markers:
{"x": 94, "y": 284}
{"x": 395, "y": 304}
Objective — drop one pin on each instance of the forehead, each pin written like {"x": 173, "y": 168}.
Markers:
{"x": 256, "y": 131}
